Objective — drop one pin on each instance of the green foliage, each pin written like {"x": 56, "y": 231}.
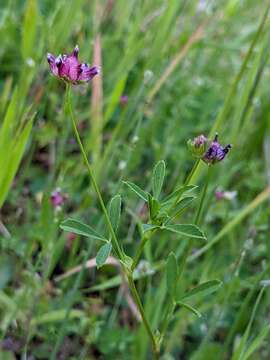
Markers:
{"x": 29, "y": 29}
{"x": 103, "y": 254}
{"x": 13, "y": 139}
{"x": 172, "y": 274}
{"x": 115, "y": 211}
{"x": 137, "y": 190}
{"x": 158, "y": 178}
{"x": 78, "y": 227}
{"x": 188, "y": 68}
{"x": 188, "y": 230}
{"x": 203, "y": 289}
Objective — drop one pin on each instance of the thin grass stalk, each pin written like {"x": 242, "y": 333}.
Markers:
{"x": 115, "y": 243}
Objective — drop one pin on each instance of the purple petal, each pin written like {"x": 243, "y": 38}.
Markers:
{"x": 87, "y": 73}
{"x": 216, "y": 138}
{"x": 76, "y": 51}
{"x": 74, "y": 67}
{"x": 53, "y": 66}
{"x": 220, "y": 154}
{"x": 69, "y": 68}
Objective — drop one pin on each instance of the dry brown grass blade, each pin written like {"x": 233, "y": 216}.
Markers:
{"x": 107, "y": 12}
{"x": 195, "y": 37}
{"x": 124, "y": 286}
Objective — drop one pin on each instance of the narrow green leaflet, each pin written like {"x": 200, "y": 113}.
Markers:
{"x": 149, "y": 227}
{"x": 178, "y": 193}
{"x": 115, "y": 211}
{"x": 171, "y": 274}
{"x": 103, "y": 254}
{"x": 77, "y": 227}
{"x": 189, "y": 307}
{"x": 204, "y": 288}
{"x": 137, "y": 190}
{"x": 158, "y": 178}
{"x": 189, "y": 230}
{"x": 154, "y": 206}
{"x": 182, "y": 205}
{"x": 56, "y": 315}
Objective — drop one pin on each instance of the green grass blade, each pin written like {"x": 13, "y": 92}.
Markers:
{"x": 13, "y": 160}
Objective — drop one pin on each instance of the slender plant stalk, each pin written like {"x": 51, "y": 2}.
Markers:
{"x": 169, "y": 313}
{"x": 144, "y": 319}
{"x": 187, "y": 181}
{"x": 115, "y": 243}
{"x": 198, "y": 215}
{"x": 140, "y": 250}
{"x": 171, "y": 308}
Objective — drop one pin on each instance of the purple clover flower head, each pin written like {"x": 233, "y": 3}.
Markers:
{"x": 124, "y": 100}
{"x": 199, "y": 141}
{"x": 215, "y": 152}
{"x": 198, "y": 145}
{"x": 57, "y": 198}
{"x": 68, "y": 68}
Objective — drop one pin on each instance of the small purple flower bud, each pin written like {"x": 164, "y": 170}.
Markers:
{"x": 215, "y": 152}
{"x": 57, "y": 198}
{"x": 225, "y": 195}
{"x": 197, "y": 146}
{"x": 200, "y": 140}
{"x": 219, "y": 194}
{"x": 68, "y": 68}
{"x": 124, "y": 100}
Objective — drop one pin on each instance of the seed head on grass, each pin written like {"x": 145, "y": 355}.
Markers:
{"x": 68, "y": 68}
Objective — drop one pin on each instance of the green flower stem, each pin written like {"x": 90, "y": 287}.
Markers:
{"x": 144, "y": 319}
{"x": 139, "y": 252}
{"x": 187, "y": 181}
{"x": 115, "y": 243}
{"x": 196, "y": 164}
{"x": 198, "y": 215}
{"x": 169, "y": 314}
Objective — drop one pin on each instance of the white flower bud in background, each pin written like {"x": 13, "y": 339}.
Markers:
{"x": 148, "y": 77}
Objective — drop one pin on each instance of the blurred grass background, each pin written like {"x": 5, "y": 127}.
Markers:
{"x": 187, "y": 67}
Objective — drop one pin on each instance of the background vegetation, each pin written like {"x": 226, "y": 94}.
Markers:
{"x": 187, "y": 67}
